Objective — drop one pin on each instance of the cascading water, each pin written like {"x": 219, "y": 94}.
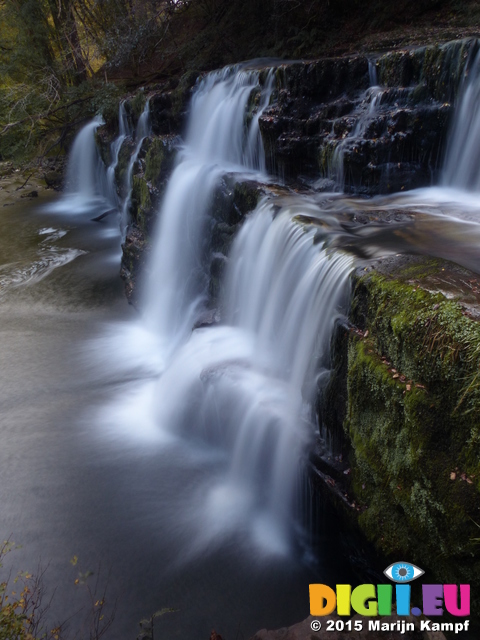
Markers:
{"x": 218, "y": 140}
{"x": 366, "y": 112}
{"x": 372, "y": 73}
{"x": 245, "y": 386}
{"x": 142, "y": 131}
{"x": 250, "y": 380}
{"x": 462, "y": 163}
{"x": 124, "y": 130}
{"x": 86, "y": 177}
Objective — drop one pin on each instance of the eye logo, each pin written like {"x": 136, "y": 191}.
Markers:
{"x": 403, "y": 572}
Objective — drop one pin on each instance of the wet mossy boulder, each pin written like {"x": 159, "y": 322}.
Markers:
{"x": 437, "y": 68}
{"x": 169, "y": 107}
{"x": 413, "y": 419}
{"x": 136, "y": 105}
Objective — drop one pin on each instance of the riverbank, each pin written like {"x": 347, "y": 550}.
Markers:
{"x": 30, "y": 181}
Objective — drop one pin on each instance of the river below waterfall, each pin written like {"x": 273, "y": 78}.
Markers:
{"x": 86, "y": 472}
{"x": 118, "y": 503}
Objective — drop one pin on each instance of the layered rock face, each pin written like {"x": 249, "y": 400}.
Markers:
{"x": 367, "y": 125}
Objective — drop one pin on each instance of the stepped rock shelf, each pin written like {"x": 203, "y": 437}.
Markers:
{"x": 403, "y": 404}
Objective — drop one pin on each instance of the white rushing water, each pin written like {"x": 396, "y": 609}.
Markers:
{"x": 217, "y": 141}
{"x": 245, "y": 387}
{"x": 462, "y": 161}
{"x": 90, "y": 185}
{"x": 250, "y": 381}
{"x": 142, "y": 131}
{"x": 86, "y": 175}
{"x": 124, "y": 130}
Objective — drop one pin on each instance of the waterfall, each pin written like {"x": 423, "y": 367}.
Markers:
{"x": 86, "y": 177}
{"x": 372, "y": 73}
{"x": 242, "y": 390}
{"x": 462, "y": 162}
{"x": 90, "y": 185}
{"x": 250, "y": 381}
{"x": 124, "y": 130}
{"x": 142, "y": 131}
{"x": 219, "y": 138}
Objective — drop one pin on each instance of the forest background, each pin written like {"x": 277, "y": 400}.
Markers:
{"x": 63, "y": 61}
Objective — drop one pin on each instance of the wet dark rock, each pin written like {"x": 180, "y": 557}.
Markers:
{"x": 319, "y": 111}
{"x": 53, "y": 180}
{"x": 135, "y": 251}
{"x": 232, "y": 201}
{"x": 322, "y": 108}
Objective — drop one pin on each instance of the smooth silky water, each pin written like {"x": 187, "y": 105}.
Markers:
{"x": 173, "y": 458}
{"x": 67, "y": 489}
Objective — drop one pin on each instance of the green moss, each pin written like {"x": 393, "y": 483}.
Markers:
{"x": 252, "y": 106}
{"x": 410, "y": 432}
{"x": 137, "y": 104}
{"x": 245, "y": 198}
{"x": 123, "y": 162}
{"x": 154, "y": 161}
{"x": 325, "y": 157}
{"x": 105, "y": 103}
{"x": 181, "y": 93}
{"x": 435, "y": 69}
{"x": 443, "y": 67}
{"x": 141, "y": 202}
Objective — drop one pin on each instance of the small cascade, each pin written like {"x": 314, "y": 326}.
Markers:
{"x": 462, "y": 161}
{"x": 372, "y": 73}
{"x": 364, "y": 114}
{"x": 219, "y": 139}
{"x": 86, "y": 176}
{"x": 124, "y": 130}
{"x": 250, "y": 381}
{"x": 142, "y": 131}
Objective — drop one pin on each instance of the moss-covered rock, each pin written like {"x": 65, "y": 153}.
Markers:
{"x": 137, "y": 104}
{"x": 121, "y": 169}
{"x": 413, "y": 420}
{"x": 141, "y": 201}
{"x": 159, "y": 160}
